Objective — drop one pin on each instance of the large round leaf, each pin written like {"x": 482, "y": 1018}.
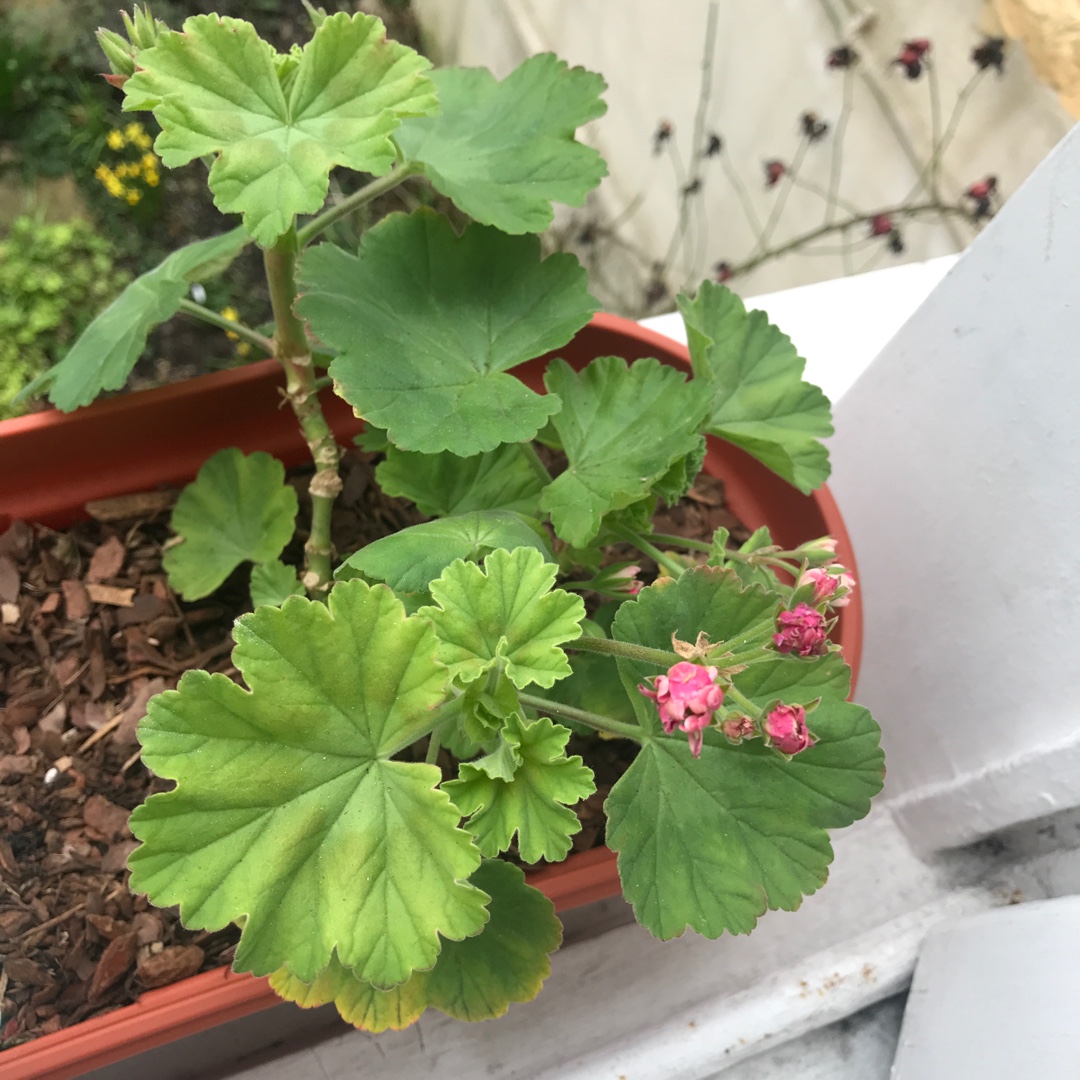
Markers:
{"x": 711, "y": 844}
{"x": 427, "y": 324}
{"x": 278, "y": 124}
{"x": 504, "y": 151}
{"x": 238, "y": 508}
{"x": 289, "y": 812}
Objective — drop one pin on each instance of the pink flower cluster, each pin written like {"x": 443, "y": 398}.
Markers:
{"x": 801, "y": 631}
{"x": 785, "y": 727}
{"x": 686, "y": 698}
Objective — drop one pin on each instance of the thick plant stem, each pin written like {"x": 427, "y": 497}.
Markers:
{"x": 593, "y": 720}
{"x": 292, "y": 349}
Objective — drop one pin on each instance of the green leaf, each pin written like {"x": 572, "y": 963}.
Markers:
{"x": 623, "y": 427}
{"x": 238, "y": 508}
{"x": 534, "y": 803}
{"x": 106, "y": 351}
{"x": 278, "y": 125}
{"x": 273, "y": 583}
{"x": 444, "y": 484}
{"x": 431, "y": 367}
{"x": 504, "y": 151}
{"x": 505, "y": 614}
{"x": 485, "y": 706}
{"x": 759, "y": 401}
{"x": 679, "y": 479}
{"x": 410, "y": 559}
{"x": 474, "y": 979}
{"x": 711, "y": 844}
{"x": 289, "y": 811}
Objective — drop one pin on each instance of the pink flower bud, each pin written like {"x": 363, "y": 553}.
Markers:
{"x": 785, "y": 727}
{"x": 827, "y": 582}
{"x": 801, "y": 631}
{"x": 737, "y": 728}
{"x": 625, "y": 580}
{"x": 686, "y": 698}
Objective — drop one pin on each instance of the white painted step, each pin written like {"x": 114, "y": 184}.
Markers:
{"x": 997, "y": 996}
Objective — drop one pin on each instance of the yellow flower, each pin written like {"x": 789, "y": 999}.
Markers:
{"x": 122, "y": 169}
{"x": 243, "y": 349}
{"x": 113, "y": 186}
{"x": 133, "y": 131}
{"x": 149, "y": 161}
{"x": 132, "y": 196}
{"x": 232, "y": 314}
{"x": 152, "y": 177}
{"x": 103, "y": 173}
{"x": 115, "y": 139}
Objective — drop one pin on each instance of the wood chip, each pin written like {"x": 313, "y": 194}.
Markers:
{"x": 50, "y": 603}
{"x": 107, "y": 561}
{"x": 16, "y": 765}
{"x": 76, "y": 599}
{"x": 112, "y": 967}
{"x": 9, "y": 579}
{"x": 110, "y": 594}
{"x": 144, "y": 690}
{"x": 128, "y": 506}
{"x": 144, "y": 608}
{"x": 108, "y": 927}
{"x": 9, "y": 614}
{"x": 170, "y": 965}
{"x": 21, "y": 970}
{"x": 13, "y": 922}
{"x": 106, "y": 819}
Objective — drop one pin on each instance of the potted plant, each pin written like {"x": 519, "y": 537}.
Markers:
{"x": 360, "y": 873}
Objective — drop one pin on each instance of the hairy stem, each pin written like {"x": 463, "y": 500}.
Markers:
{"x": 659, "y": 657}
{"x": 538, "y": 467}
{"x": 353, "y": 202}
{"x": 682, "y": 541}
{"x": 245, "y": 333}
{"x": 743, "y": 702}
{"x": 293, "y": 351}
{"x": 593, "y": 720}
{"x": 672, "y": 566}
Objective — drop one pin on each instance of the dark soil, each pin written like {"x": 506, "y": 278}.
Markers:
{"x": 89, "y": 632}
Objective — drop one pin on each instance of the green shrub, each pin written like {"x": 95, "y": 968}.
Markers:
{"x": 53, "y": 280}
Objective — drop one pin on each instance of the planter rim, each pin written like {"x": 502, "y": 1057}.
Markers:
{"x": 217, "y": 996}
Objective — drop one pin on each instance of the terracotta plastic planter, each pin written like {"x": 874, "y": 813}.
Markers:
{"x": 51, "y": 464}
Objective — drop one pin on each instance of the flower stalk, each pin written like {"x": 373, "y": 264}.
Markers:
{"x": 593, "y": 720}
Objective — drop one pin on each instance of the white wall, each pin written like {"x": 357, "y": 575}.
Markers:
{"x": 768, "y": 68}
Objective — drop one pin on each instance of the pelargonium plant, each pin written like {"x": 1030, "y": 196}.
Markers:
{"x": 483, "y": 637}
